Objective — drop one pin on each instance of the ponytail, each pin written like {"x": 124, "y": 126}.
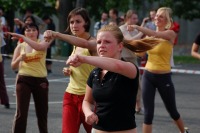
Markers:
{"x": 142, "y": 45}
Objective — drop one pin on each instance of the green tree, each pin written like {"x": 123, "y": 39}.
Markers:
{"x": 186, "y": 9}
{"x": 11, "y": 6}
{"x": 38, "y": 6}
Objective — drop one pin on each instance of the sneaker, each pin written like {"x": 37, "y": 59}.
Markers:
{"x": 186, "y": 130}
{"x": 139, "y": 112}
{"x": 7, "y": 105}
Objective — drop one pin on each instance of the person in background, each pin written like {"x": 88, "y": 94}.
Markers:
{"x": 4, "y": 99}
{"x": 27, "y": 20}
{"x": 131, "y": 18}
{"x": 148, "y": 22}
{"x": 157, "y": 74}
{"x": 98, "y": 25}
{"x": 3, "y": 19}
{"x": 3, "y": 43}
{"x": 38, "y": 20}
{"x": 112, "y": 22}
{"x": 113, "y": 16}
{"x": 195, "y": 47}
{"x": 4, "y": 25}
{"x": 31, "y": 79}
{"x": 50, "y": 26}
{"x": 176, "y": 28}
{"x": 4, "y": 28}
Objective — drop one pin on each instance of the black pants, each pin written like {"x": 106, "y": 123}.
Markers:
{"x": 3, "y": 92}
{"x": 39, "y": 89}
{"x": 165, "y": 87}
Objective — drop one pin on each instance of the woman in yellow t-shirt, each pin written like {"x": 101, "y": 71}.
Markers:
{"x": 31, "y": 79}
{"x": 157, "y": 75}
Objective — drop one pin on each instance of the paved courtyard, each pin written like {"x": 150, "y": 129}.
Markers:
{"x": 187, "y": 97}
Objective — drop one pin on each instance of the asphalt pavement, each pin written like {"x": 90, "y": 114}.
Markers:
{"x": 187, "y": 96}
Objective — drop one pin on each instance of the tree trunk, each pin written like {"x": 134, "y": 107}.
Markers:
{"x": 80, "y": 3}
{"x": 65, "y": 6}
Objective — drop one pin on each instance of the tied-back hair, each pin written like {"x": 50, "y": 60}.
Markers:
{"x": 141, "y": 45}
{"x": 116, "y": 32}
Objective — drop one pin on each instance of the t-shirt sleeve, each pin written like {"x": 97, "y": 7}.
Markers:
{"x": 197, "y": 40}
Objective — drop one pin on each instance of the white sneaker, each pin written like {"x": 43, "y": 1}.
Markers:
{"x": 186, "y": 130}
{"x": 140, "y": 111}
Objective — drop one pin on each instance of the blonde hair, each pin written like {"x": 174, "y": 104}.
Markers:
{"x": 141, "y": 45}
{"x": 168, "y": 13}
{"x": 116, "y": 32}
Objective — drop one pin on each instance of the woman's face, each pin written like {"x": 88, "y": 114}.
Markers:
{"x": 160, "y": 19}
{"x": 77, "y": 24}
{"x": 134, "y": 19}
{"x": 107, "y": 45}
{"x": 31, "y": 33}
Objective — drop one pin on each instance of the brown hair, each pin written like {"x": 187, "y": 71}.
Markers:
{"x": 141, "y": 45}
{"x": 83, "y": 13}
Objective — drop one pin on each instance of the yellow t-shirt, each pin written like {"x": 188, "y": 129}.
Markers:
{"x": 79, "y": 76}
{"x": 159, "y": 57}
{"x": 34, "y": 63}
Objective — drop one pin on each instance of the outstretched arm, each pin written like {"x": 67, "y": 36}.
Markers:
{"x": 167, "y": 34}
{"x": 39, "y": 46}
{"x": 125, "y": 68}
{"x": 76, "y": 41}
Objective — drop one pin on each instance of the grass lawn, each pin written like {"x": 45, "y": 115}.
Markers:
{"x": 186, "y": 60}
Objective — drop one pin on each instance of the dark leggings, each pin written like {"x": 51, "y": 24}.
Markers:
{"x": 162, "y": 82}
{"x": 3, "y": 91}
{"x": 38, "y": 87}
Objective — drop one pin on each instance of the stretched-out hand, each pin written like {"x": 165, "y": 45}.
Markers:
{"x": 49, "y": 35}
{"x": 17, "y": 21}
{"x": 14, "y": 35}
{"x": 74, "y": 61}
